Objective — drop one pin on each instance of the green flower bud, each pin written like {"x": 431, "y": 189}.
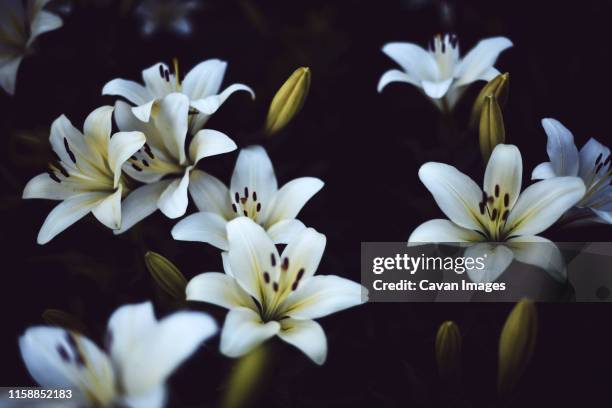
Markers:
{"x": 245, "y": 378}
{"x": 288, "y": 100}
{"x": 59, "y": 318}
{"x": 498, "y": 86}
{"x": 492, "y": 131}
{"x": 166, "y": 275}
{"x": 448, "y": 351}
{"x": 516, "y": 344}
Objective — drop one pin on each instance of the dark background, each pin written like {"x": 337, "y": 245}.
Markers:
{"x": 366, "y": 146}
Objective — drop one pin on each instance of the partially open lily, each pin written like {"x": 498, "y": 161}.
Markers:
{"x": 271, "y": 294}
{"x": 87, "y": 177}
{"x": 439, "y": 71}
{"x": 19, "y": 28}
{"x": 201, "y": 86}
{"x": 163, "y": 163}
{"x": 498, "y": 212}
{"x": 593, "y": 164}
{"x": 253, "y": 193}
{"x": 140, "y": 353}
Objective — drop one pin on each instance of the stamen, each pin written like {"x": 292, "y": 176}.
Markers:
{"x": 494, "y": 214}
{"x": 506, "y": 199}
{"x": 598, "y": 158}
{"x": 285, "y": 264}
{"x": 300, "y": 274}
{"x": 484, "y": 196}
{"x": 258, "y": 208}
{"x": 63, "y": 353}
{"x": 167, "y": 75}
{"x": 598, "y": 168}
{"x": 243, "y": 200}
{"x": 148, "y": 151}
{"x": 145, "y": 162}
{"x": 67, "y": 147}
{"x": 136, "y": 167}
{"x": 275, "y": 286}
{"x": 246, "y": 214}
{"x": 490, "y": 199}
{"x": 237, "y": 198}
{"x": 54, "y": 176}
{"x": 607, "y": 160}
{"x": 273, "y": 260}
{"x": 294, "y": 286}
{"x": 481, "y": 206}
{"x": 506, "y": 214}
{"x": 161, "y": 70}
{"x": 254, "y": 196}
{"x": 234, "y": 208}
{"x": 266, "y": 277}
{"x": 246, "y": 192}
{"x": 497, "y": 190}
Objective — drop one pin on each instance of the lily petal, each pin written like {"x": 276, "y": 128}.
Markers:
{"x": 202, "y": 227}
{"x": 394, "y": 75}
{"x": 323, "y": 295}
{"x": 210, "y": 194}
{"x": 285, "y": 231}
{"x": 209, "y": 142}
{"x": 120, "y": 148}
{"x": 561, "y": 149}
{"x": 304, "y": 254}
{"x": 210, "y": 104}
{"x": 588, "y": 158}
{"x": 413, "y": 59}
{"x": 504, "y": 174}
{"x": 204, "y": 79}
{"x": 290, "y": 199}
{"x": 456, "y": 194}
{"x": 540, "y": 252}
{"x": 441, "y": 230}
{"x": 8, "y": 74}
{"x": 174, "y": 200}
{"x": 42, "y": 186}
{"x": 306, "y": 335}
{"x": 543, "y": 171}
{"x": 435, "y": 89}
{"x": 543, "y": 203}
{"x": 108, "y": 211}
{"x": 140, "y": 203}
{"x": 477, "y": 62}
{"x": 130, "y": 90}
{"x": 496, "y": 258}
{"x": 172, "y": 124}
{"x": 156, "y": 84}
{"x": 153, "y": 398}
{"x": 43, "y": 22}
{"x": 97, "y": 128}
{"x": 254, "y": 171}
{"x": 218, "y": 289}
{"x": 244, "y": 330}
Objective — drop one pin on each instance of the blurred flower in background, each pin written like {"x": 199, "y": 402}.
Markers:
{"x": 271, "y": 294}
{"x": 591, "y": 164}
{"x": 166, "y": 15}
{"x": 439, "y": 71}
{"x": 253, "y": 193}
{"x": 87, "y": 176}
{"x": 140, "y": 354}
{"x": 19, "y": 28}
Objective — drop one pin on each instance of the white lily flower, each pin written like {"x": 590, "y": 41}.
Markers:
{"x": 87, "y": 177}
{"x": 163, "y": 163}
{"x": 201, "y": 85}
{"x": 19, "y": 28}
{"x": 169, "y": 15}
{"x": 270, "y": 294}
{"x": 498, "y": 212}
{"x": 253, "y": 193}
{"x": 140, "y": 354}
{"x": 591, "y": 164}
{"x": 439, "y": 71}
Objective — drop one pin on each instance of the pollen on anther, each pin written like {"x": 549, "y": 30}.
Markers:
{"x": 275, "y": 286}
{"x": 481, "y": 207}
{"x": 237, "y": 197}
{"x": 246, "y": 214}
{"x": 161, "y": 70}
{"x": 494, "y": 214}
{"x": 254, "y": 196}
{"x": 54, "y": 177}
{"x": 67, "y": 147}
{"x": 300, "y": 274}
{"x": 246, "y": 192}
{"x": 497, "y": 190}
{"x": 167, "y": 75}
{"x": 258, "y": 207}
{"x": 599, "y": 166}
{"x": 145, "y": 162}
{"x": 266, "y": 277}
{"x": 506, "y": 199}
{"x": 598, "y": 158}
{"x": 136, "y": 167}
{"x": 285, "y": 264}
{"x": 234, "y": 208}
{"x": 63, "y": 353}
{"x": 272, "y": 260}
{"x": 294, "y": 285}
{"x": 506, "y": 214}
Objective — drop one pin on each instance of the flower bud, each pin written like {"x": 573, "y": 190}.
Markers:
{"x": 288, "y": 100}
{"x": 448, "y": 351}
{"x": 516, "y": 344}
{"x": 166, "y": 275}
{"x": 498, "y": 86}
{"x": 245, "y": 378}
{"x": 492, "y": 130}
{"x": 59, "y": 318}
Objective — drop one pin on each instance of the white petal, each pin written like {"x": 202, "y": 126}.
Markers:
{"x": 394, "y": 75}
{"x": 63, "y": 132}
{"x": 254, "y": 171}
{"x": 249, "y": 254}
{"x": 543, "y": 171}
{"x": 130, "y": 90}
{"x": 290, "y": 199}
{"x": 202, "y": 227}
{"x": 152, "y": 398}
{"x": 304, "y": 251}
{"x": 480, "y": 59}
{"x": 456, "y": 194}
{"x": 440, "y": 230}
{"x": 156, "y": 85}
{"x": 415, "y": 60}
{"x": 43, "y": 22}
{"x": 172, "y": 122}
{"x": 8, "y": 74}
{"x": 174, "y": 200}
{"x": 543, "y": 203}
{"x": 285, "y": 231}
{"x": 155, "y": 353}
{"x": 204, "y": 79}
{"x": 42, "y": 186}
{"x": 561, "y": 149}
{"x": 143, "y": 111}
{"x": 504, "y": 169}
{"x": 244, "y": 330}
{"x": 489, "y": 74}
{"x": 541, "y": 252}
{"x": 67, "y": 213}
{"x": 108, "y": 211}
{"x": 218, "y": 289}
{"x": 496, "y": 258}
{"x": 209, "y": 142}
{"x": 588, "y": 157}
{"x": 323, "y": 295}
{"x": 306, "y": 335}
{"x": 435, "y": 89}
{"x": 140, "y": 203}
{"x": 210, "y": 194}
{"x": 97, "y": 128}
{"x": 210, "y": 104}
{"x": 120, "y": 148}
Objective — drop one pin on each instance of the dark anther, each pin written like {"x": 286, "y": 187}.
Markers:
{"x": 243, "y": 200}
{"x": 161, "y": 71}
{"x": 167, "y": 75}
{"x": 484, "y": 196}
{"x": 133, "y": 158}
{"x": 300, "y": 274}
{"x": 598, "y": 158}
{"x": 254, "y": 196}
{"x": 246, "y": 214}
{"x": 63, "y": 170}
{"x": 148, "y": 151}
{"x": 443, "y": 47}
{"x": 136, "y": 167}
{"x": 273, "y": 260}
{"x": 481, "y": 206}
{"x": 54, "y": 177}
{"x": 234, "y": 208}
{"x": 491, "y": 199}
{"x": 258, "y": 207}
{"x": 71, "y": 341}
{"x": 63, "y": 353}
{"x": 275, "y": 286}
{"x": 146, "y": 163}
{"x": 607, "y": 160}
{"x": 497, "y": 190}
{"x": 294, "y": 286}
{"x": 237, "y": 198}
{"x": 285, "y": 264}
{"x": 67, "y": 147}
{"x": 506, "y": 214}
{"x": 506, "y": 199}
{"x": 598, "y": 167}
{"x": 246, "y": 192}
{"x": 266, "y": 276}
{"x": 494, "y": 214}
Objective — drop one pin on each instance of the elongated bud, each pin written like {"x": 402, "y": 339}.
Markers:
{"x": 288, "y": 100}
{"x": 498, "y": 86}
{"x": 448, "y": 351}
{"x": 166, "y": 275}
{"x": 492, "y": 131}
{"x": 245, "y": 378}
{"x": 516, "y": 344}
{"x": 59, "y": 318}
